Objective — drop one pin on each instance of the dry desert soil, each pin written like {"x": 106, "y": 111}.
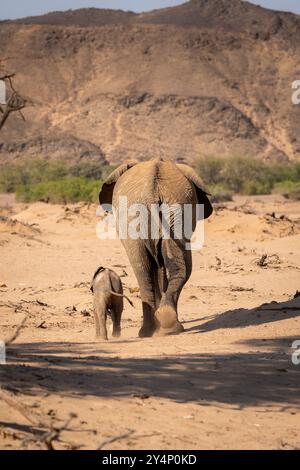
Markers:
{"x": 227, "y": 382}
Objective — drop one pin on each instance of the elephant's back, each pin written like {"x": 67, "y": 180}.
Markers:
{"x": 153, "y": 182}
{"x": 173, "y": 186}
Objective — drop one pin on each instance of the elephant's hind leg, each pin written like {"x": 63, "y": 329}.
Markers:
{"x": 143, "y": 266}
{"x": 148, "y": 327}
{"x": 178, "y": 265}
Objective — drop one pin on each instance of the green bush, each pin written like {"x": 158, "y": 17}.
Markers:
{"x": 63, "y": 191}
{"x": 210, "y": 169}
{"x": 238, "y": 173}
{"x": 91, "y": 170}
{"x": 244, "y": 175}
{"x": 219, "y": 193}
{"x": 289, "y": 189}
{"x": 285, "y": 172}
{"x": 253, "y": 188}
{"x": 38, "y": 171}
{"x": 56, "y": 182}
{"x": 293, "y": 194}
{"x": 30, "y": 172}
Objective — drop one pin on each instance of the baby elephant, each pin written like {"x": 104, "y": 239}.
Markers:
{"x": 108, "y": 300}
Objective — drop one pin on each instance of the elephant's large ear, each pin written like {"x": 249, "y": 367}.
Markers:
{"x": 106, "y": 193}
{"x": 192, "y": 176}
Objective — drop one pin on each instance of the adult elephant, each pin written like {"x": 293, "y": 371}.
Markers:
{"x": 161, "y": 265}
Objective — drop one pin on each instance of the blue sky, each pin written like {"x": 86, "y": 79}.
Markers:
{"x": 21, "y": 8}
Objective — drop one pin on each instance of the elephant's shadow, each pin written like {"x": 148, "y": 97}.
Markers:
{"x": 237, "y": 379}
{"x": 242, "y": 317}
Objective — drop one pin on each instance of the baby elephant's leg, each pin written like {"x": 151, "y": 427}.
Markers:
{"x": 100, "y": 319}
{"x": 97, "y": 324}
{"x": 116, "y": 304}
{"x": 116, "y": 314}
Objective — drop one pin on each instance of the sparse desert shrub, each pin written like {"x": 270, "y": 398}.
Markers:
{"x": 289, "y": 189}
{"x": 37, "y": 171}
{"x": 293, "y": 194}
{"x": 90, "y": 170}
{"x": 252, "y": 187}
{"x": 62, "y": 191}
{"x": 56, "y": 182}
{"x": 284, "y": 172}
{"x": 10, "y": 179}
{"x": 30, "y": 172}
{"x": 245, "y": 175}
{"x": 210, "y": 169}
{"x": 219, "y": 193}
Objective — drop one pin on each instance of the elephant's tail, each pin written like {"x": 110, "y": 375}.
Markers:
{"x": 121, "y": 295}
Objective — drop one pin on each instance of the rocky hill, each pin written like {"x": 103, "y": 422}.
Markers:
{"x": 204, "y": 78}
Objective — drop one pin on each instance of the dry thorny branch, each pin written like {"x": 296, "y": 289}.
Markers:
{"x": 52, "y": 432}
{"x": 119, "y": 437}
{"x": 114, "y": 439}
{"x": 15, "y": 333}
{"x": 265, "y": 260}
{"x": 46, "y": 438}
{"x": 21, "y": 307}
{"x": 14, "y": 103}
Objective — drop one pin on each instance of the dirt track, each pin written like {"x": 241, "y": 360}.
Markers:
{"x": 227, "y": 382}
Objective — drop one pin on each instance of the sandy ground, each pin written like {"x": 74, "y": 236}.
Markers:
{"x": 227, "y": 382}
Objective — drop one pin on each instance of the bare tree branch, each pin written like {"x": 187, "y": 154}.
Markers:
{"x": 114, "y": 439}
{"x": 5, "y": 396}
{"x": 16, "y": 333}
{"x": 15, "y": 102}
{"x": 7, "y": 76}
{"x": 46, "y": 438}
{"x": 54, "y": 433}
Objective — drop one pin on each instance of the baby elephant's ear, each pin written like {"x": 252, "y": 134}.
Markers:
{"x": 192, "y": 176}
{"x": 106, "y": 193}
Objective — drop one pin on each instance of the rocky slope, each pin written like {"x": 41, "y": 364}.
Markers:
{"x": 207, "y": 77}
